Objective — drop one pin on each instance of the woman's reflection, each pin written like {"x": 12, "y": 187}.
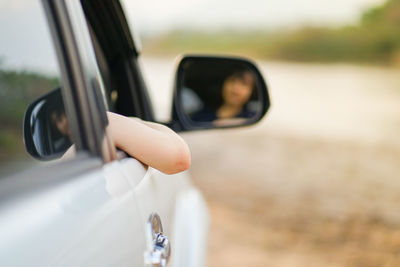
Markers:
{"x": 237, "y": 90}
{"x": 61, "y": 129}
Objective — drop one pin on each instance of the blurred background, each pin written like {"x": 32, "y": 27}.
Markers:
{"x": 317, "y": 181}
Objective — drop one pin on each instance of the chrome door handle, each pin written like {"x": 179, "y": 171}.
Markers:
{"x": 158, "y": 246}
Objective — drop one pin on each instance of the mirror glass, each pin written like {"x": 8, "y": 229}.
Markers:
{"x": 220, "y": 92}
{"x": 47, "y": 133}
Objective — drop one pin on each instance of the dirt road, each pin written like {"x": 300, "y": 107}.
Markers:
{"x": 280, "y": 200}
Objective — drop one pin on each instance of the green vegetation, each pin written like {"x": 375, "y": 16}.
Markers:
{"x": 375, "y": 39}
{"x": 17, "y": 90}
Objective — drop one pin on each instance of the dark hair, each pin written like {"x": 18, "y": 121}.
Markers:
{"x": 245, "y": 75}
{"x": 55, "y": 104}
{"x": 54, "y": 107}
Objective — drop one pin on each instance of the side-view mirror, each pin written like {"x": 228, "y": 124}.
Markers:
{"x": 46, "y": 128}
{"x": 218, "y": 92}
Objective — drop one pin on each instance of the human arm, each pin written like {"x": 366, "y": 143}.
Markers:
{"x": 153, "y": 144}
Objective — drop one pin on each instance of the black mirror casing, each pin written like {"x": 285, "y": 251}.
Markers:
{"x": 41, "y": 139}
{"x": 209, "y": 74}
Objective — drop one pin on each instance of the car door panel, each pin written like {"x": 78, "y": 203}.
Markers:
{"x": 181, "y": 207}
{"x": 190, "y": 229}
{"x": 74, "y": 223}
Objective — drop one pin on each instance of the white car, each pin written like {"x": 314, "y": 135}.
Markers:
{"x": 95, "y": 209}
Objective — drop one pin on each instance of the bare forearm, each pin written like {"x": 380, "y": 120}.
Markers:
{"x": 153, "y": 144}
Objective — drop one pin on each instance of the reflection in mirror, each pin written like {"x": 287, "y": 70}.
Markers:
{"x": 47, "y": 133}
{"x": 220, "y": 92}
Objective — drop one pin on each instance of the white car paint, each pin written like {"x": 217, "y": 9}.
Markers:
{"x": 181, "y": 207}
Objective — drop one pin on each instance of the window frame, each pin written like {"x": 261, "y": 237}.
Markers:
{"x": 113, "y": 37}
{"x": 83, "y": 101}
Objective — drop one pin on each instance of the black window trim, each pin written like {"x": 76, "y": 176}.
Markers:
{"x": 81, "y": 104}
{"x": 109, "y": 25}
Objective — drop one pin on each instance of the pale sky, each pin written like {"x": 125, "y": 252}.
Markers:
{"x": 160, "y": 15}
{"x": 25, "y": 40}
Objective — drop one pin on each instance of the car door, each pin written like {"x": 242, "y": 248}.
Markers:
{"x": 80, "y": 211}
{"x": 179, "y": 206}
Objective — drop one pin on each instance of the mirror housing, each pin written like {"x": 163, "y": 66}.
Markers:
{"x": 218, "y": 92}
{"x": 46, "y": 128}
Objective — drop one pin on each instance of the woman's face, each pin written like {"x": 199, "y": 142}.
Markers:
{"x": 236, "y": 91}
{"x": 61, "y": 123}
